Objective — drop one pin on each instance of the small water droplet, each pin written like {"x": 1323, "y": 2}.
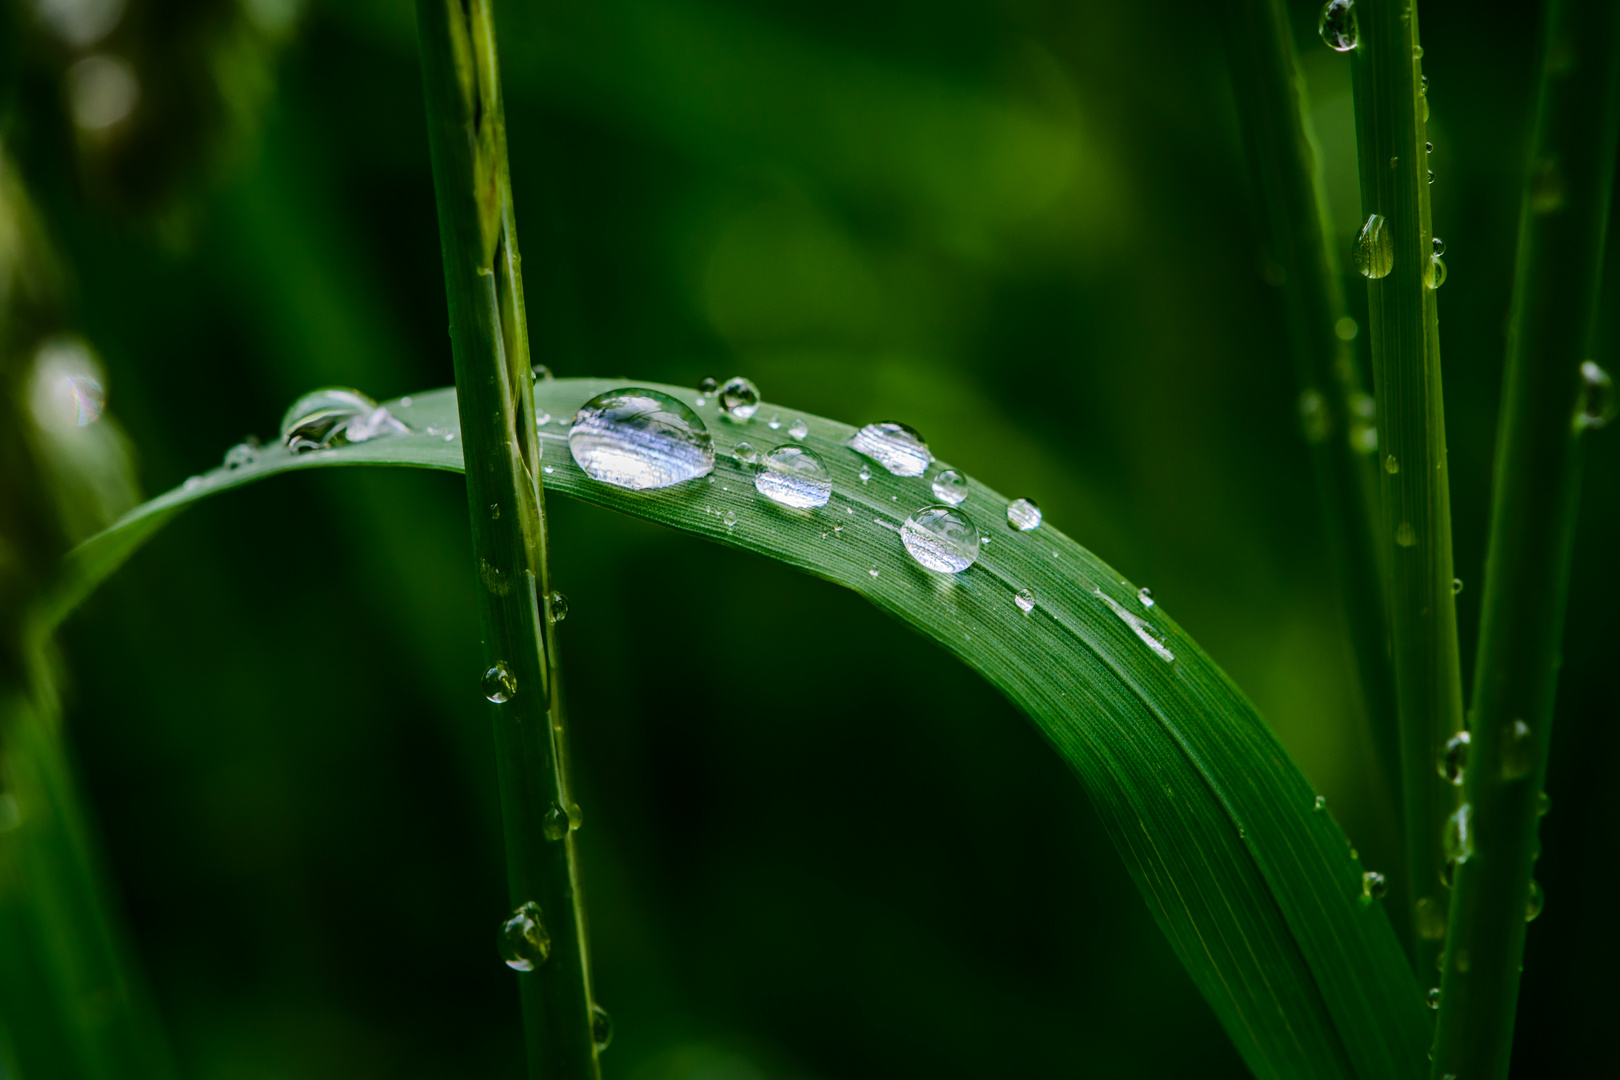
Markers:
{"x": 1434, "y": 998}
{"x": 744, "y": 454}
{"x": 1313, "y": 416}
{"x": 739, "y": 398}
{"x": 873, "y": 571}
{"x": 601, "y": 1027}
{"x": 794, "y": 476}
{"x": 498, "y": 684}
{"x": 1321, "y": 802}
{"x": 1375, "y": 248}
{"x": 333, "y": 416}
{"x": 897, "y": 447}
{"x": 557, "y": 607}
{"x": 1456, "y": 586}
{"x": 405, "y": 402}
{"x": 524, "y": 942}
{"x": 1439, "y": 246}
{"x": 707, "y": 387}
{"x": 1138, "y": 625}
{"x": 1025, "y": 600}
{"x": 1455, "y": 762}
{"x": 699, "y": 401}
{"x": 1534, "y": 902}
{"x": 549, "y": 469}
{"x": 1346, "y": 328}
{"x": 1338, "y": 25}
{"x": 1596, "y": 405}
{"x": 1519, "y": 751}
{"x": 1405, "y": 535}
{"x": 241, "y": 456}
{"x": 1430, "y": 919}
{"x": 951, "y": 487}
{"x": 1391, "y": 465}
{"x": 799, "y": 429}
{"x": 1434, "y": 274}
{"x": 1431, "y": 176}
{"x": 774, "y": 423}
{"x": 1023, "y": 514}
{"x": 1460, "y": 834}
{"x": 193, "y": 483}
{"x": 1145, "y": 595}
{"x": 1373, "y": 885}
{"x": 730, "y": 519}
{"x": 1417, "y": 52}
{"x": 541, "y": 373}
{"x": 638, "y": 438}
{"x": 941, "y": 538}
{"x": 542, "y": 418}
{"x": 558, "y": 822}
{"x": 865, "y": 474}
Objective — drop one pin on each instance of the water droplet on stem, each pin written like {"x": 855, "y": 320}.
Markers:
{"x": 524, "y": 942}
{"x": 638, "y": 439}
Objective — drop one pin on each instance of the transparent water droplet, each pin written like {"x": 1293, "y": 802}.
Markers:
{"x": 898, "y": 448}
{"x": 1434, "y": 273}
{"x": 1373, "y": 885}
{"x": 1455, "y": 762}
{"x": 1391, "y": 465}
{"x": 865, "y": 474}
{"x": 799, "y": 429}
{"x": 499, "y": 684}
{"x": 707, "y": 387}
{"x": 1375, "y": 248}
{"x": 1405, "y": 535}
{"x": 333, "y": 416}
{"x": 241, "y": 456}
{"x": 541, "y": 373}
{"x": 1439, "y": 246}
{"x": 558, "y": 822}
{"x": 1460, "y": 834}
{"x": 1519, "y": 751}
{"x": 1138, "y": 625}
{"x": 873, "y": 571}
{"x": 601, "y": 1027}
{"x": 951, "y": 487}
{"x": 1456, "y": 586}
{"x": 1025, "y": 600}
{"x": 794, "y": 476}
{"x": 739, "y": 398}
{"x": 1321, "y": 802}
{"x": 1434, "y": 998}
{"x": 1338, "y": 25}
{"x": 638, "y": 438}
{"x": 557, "y": 607}
{"x": 744, "y": 454}
{"x": 1534, "y": 902}
{"x": 1430, "y": 918}
{"x": 524, "y": 942}
{"x": 1313, "y": 416}
{"x": 1596, "y": 403}
{"x": 774, "y": 423}
{"x": 941, "y": 538}
{"x": 1145, "y": 596}
{"x": 1023, "y": 514}
{"x": 542, "y": 418}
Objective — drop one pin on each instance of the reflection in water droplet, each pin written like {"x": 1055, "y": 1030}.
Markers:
{"x": 558, "y": 822}
{"x": 1313, "y": 416}
{"x": 1455, "y": 762}
{"x": 1149, "y": 636}
{"x": 794, "y": 476}
{"x": 897, "y": 447}
{"x": 1430, "y": 918}
{"x": 774, "y": 423}
{"x": 333, "y": 416}
{"x": 557, "y": 607}
{"x": 637, "y": 438}
{"x": 1460, "y": 834}
{"x": 1434, "y": 274}
{"x": 524, "y": 942}
{"x": 745, "y": 454}
{"x": 941, "y": 538}
{"x": 241, "y": 456}
{"x": 1023, "y": 514}
{"x": 1145, "y": 596}
{"x": 499, "y": 685}
{"x": 1535, "y": 902}
{"x": 1025, "y": 600}
{"x": 739, "y": 398}
{"x": 1596, "y": 404}
{"x": 1456, "y": 586}
{"x": 1438, "y": 245}
{"x": 1405, "y": 535}
{"x": 707, "y": 387}
{"x": 1434, "y": 998}
{"x": 1373, "y": 885}
{"x": 1338, "y": 25}
{"x": 1321, "y": 802}
{"x": 1519, "y": 751}
{"x": 1391, "y": 465}
{"x": 601, "y": 1027}
{"x": 1375, "y": 248}
{"x": 951, "y": 487}
{"x": 799, "y": 429}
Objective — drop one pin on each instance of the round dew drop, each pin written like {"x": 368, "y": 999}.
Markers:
{"x": 558, "y": 822}
{"x": 1597, "y": 405}
{"x": 1373, "y": 885}
{"x": 799, "y": 429}
{"x": 540, "y": 372}
{"x": 794, "y": 476}
{"x": 524, "y": 942}
{"x": 708, "y": 387}
{"x": 557, "y": 607}
{"x": 1434, "y": 998}
{"x": 1460, "y": 834}
{"x": 1023, "y": 514}
{"x": 1338, "y": 25}
{"x": 498, "y": 684}
{"x": 334, "y": 416}
{"x": 601, "y": 1027}
{"x": 1145, "y": 596}
{"x": 1025, "y": 600}
{"x": 241, "y": 456}
{"x": 1375, "y": 248}
{"x": 1455, "y": 763}
{"x": 941, "y": 538}
{"x": 951, "y": 487}
{"x": 1456, "y": 586}
{"x": 739, "y": 398}
{"x": 744, "y": 454}
{"x": 898, "y": 448}
{"x": 638, "y": 439}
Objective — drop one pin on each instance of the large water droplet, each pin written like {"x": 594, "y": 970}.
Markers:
{"x": 557, "y": 607}
{"x": 498, "y": 684}
{"x": 1534, "y": 902}
{"x": 1338, "y": 25}
{"x": 1373, "y": 885}
{"x": 601, "y": 1027}
{"x": 638, "y": 438}
{"x": 1596, "y": 404}
{"x": 1025, "y": 600}
{"x": 1430, "y": 918}
{"x": 941, "y": 538}
{"x": 739, "y": 398}
{"x": 1455, "y": 763}
{"x": 1434, "y": 273}
{"x": 1139, "y": 625}
{"x": 896, "y": 447}
{"x": 1456, "y": 586}
{"x": 1023, "y": 514}
{"x": 744, "y": 454}
{"x": 799, "y": 429}
{"x": 1375, "y": 248}
{"x": 951, "y": 487}
{"x": 524, "y": 942}
{"x": 333, "y": 416}
{"x": 1519, "y": 751}
{"x": 794, "y": 476}
{"x": 1460, "y": 834}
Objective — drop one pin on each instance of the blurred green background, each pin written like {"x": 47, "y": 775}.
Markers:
{"x": 814, "y": 846}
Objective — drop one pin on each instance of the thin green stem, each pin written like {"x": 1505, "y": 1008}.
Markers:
{"x": 1333, "y": 402}
{"x": 1397, "y": 256}
{"x": 466, "y": 132}
{"x": 1562, "y": 226}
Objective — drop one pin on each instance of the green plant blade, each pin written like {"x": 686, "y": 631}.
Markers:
{"x": 1253, "y": 882}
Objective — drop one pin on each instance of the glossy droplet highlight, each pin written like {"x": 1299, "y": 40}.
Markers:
{"x": 1534, "y": 902}
{"x": 1373, "y": 885}
{"x": 1023, "y": 514}
{"x": 1375, "y": 248}
{"x": 707, "y": 387}
{"x": 1025, "y": 600}
{"x": 333, "y": 416}
{"x": 1519, "y": 751}
{"x": 241, "y": 456}
{"x": 1460, "y": 834}
{"x": 1455, "y": 762}
{"x": 1596, "y": 403}
{"x": 540, "y": 372}
{"x": 638, "y": 439}
{"x": 498, "y": 684}
{"x": 951, "y": 487}
{"x": 558, "y": 822}
{"x": 744, "y": 454}
{"x": 1456, "y": 586}
{"x": 799, "y": 429}
{"x": 1138, "y": 625}
{"x": 794, "y": 476}
{"x": 1144, "y": 595}
{"x": 1434, "y": 273}
{"x": 524, "y": 942}
{"x": 898, "y": 448}
{"x": 601, "y": 1027}
{"x": 557, "y": 607}
{"x": 739, "y": 398}
{"x": 941, "y": 538}
{"x": 1337, "y": 25}
{"x": 1321, "y": 803}
{"x": 1434, "y": 998}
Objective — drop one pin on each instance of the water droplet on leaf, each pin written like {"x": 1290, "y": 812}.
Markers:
{"x": 739, "y": 398}
{"x": 557, "y": 607}
{"x": 1434, "y": 998}
{"x": 524, "y": 942}
{"x": 1375, "y": 248}
{"x": 1138, "y": 625}
{"x": 601, "y": 1027}
{"x": 941, "y": 538}
{"x": 1145, "y": 595}
{"x": 1338, "y": 25}
{"x": 558, "y": 822}
{"x": 1460, "y": 834}
{"x": 1321, "y": 802}
{"x": 1434, "y": 274}
{"x": 333, "y": 416}
{"x": 241, "y": 456}
{"x": 794, "y": 476}
{"x": 1025, "y": 600}
{"x": 745, "y": 454}
{"x": 1535, "y": 902}
{"x": 707, "y": 387}
{"x": 1373, "y": 885}
{"x": 1456, "y": 586}
{"x": 1596, "y": 404}
{"x": 540, "y": 372}
{"x": 499, "y": 685}
{"x": 1391, "y": 465}
{"x": 951, "y": 487}
{"x": 1023, "y": 514}
{"x": 1456, "y": 759}
{"x": 799, "y": 429}
{"x": 1405, "y": 535}
{"x": 638, "y": 438}
{"x": 896, "y": 447}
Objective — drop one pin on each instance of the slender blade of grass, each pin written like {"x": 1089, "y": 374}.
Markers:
{"x": 1391, "y": 111}
{"x": 489, "y": 334}
{"x": 1562, "y": 227}
{"x": 1256, "y": 887}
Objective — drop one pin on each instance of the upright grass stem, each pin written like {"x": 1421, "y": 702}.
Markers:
{"x": 1333, "y": 400}
{"x": 489, "y": 336}
{"x": 1562, "y": 225}
{"x": 1397, "y": 256}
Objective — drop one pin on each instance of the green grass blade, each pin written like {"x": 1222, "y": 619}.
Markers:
{"x": 1258, "y": 890}
{"x": 1391, "y": 111}
{"x": 1562, "y": 225}
{"x": 489, "y": 332}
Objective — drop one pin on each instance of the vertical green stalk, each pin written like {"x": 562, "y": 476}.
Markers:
{"x": 489, "y": 336}
{"x": 1562, "y": 225}
{"x": 1270, "y": 95}
{"x": 1396, "y": 254}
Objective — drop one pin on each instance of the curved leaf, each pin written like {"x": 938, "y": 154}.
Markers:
{"x": 1253, "y": 882}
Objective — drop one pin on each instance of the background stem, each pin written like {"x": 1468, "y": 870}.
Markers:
{"x": 466, "y": 130}
{"x": 1563, "y": 221}
{"x": 1404, "y": 333}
